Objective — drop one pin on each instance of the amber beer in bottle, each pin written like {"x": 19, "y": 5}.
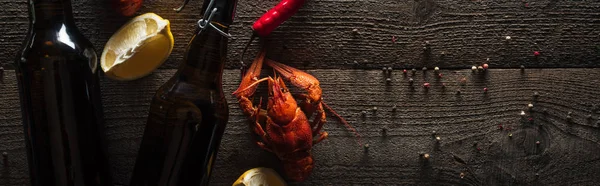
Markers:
{"x": 189, "y": 112}
{"x": 57, "y": 75}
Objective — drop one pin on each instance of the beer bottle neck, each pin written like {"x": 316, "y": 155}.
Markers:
{"x": 204, "y": 59}
{"x": 225, "y": 11}
{"x": 206, "y": 52}
{"x": 49, "y": 13}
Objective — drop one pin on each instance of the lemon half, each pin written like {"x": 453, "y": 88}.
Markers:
{"x": 260, "y": 176}
{"x": 137, "y": 48}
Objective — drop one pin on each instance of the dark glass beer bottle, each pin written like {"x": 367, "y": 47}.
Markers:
{"x": 57, "y": 75}
{"x": 189, "y": 112}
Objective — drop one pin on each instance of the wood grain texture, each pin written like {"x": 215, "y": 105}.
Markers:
{"x": 471, "y": 140}
{"x": 320, "y": 35}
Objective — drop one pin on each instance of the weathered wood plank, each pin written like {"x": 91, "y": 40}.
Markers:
{"x": 465, "y": 122}
{"x": 321, "y": 35}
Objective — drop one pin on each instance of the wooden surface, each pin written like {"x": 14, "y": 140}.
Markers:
{"x": 320, "y": 35}
{"x": 568, "y": 153}
{"x": 321, "y": 38}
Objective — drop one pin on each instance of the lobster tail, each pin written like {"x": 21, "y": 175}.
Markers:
{"x": 300, "y": 169}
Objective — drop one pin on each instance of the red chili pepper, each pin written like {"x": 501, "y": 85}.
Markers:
{"x": 275, "y": 16}
{"x": 271, "y": 20}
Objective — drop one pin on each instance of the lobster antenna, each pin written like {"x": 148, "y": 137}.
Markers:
{"x": 274, "y": 74}
{"x": 250, "y": 86}
{"x": 343, "y": 121}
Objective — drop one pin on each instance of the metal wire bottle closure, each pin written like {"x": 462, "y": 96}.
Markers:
{"x": 206, "y": 20}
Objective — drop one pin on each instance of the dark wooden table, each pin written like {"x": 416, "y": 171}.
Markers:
{"x": 483, "y": 139}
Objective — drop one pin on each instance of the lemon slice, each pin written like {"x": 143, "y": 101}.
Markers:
{"x": 137, "y": 48}
{"x": 260, "y": 176}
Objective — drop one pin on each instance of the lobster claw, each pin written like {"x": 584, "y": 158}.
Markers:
{"x": 299, "y": 79}
{"x": 250, "y": 80}
{"x": 308, "y": 82}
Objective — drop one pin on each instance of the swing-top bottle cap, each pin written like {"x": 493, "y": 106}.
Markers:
{"x": 224, "y": 14}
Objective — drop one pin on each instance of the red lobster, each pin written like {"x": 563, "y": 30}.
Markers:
{"x": 287, "y": 131}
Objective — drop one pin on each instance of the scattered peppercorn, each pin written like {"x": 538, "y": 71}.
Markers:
{"x": 425, "y": 156}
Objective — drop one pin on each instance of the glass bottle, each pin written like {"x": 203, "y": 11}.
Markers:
{"x": 189, "y": 112}
{"x": 57, "y": 76}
